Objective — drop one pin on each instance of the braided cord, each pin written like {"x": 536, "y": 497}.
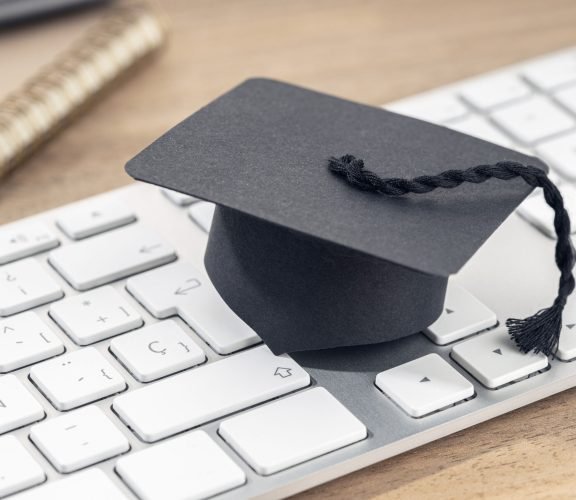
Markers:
{"x": 538, "y": 333}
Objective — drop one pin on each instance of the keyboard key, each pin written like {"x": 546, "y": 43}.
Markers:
{"x": 18, "y": 470}
{"x": 439, "y": 107}
{"x": 463, "y": 315}
{"x": 157, "y": 351}
{"x": 494, "y": 359}
{"x": 209, "y": 392}
{"x": 479, "y": 127}
{"x": 538, "y": 213}
{"x": 179, "y": 199}
{"x": 17, "y": 406}
{"x": 187, "y": 467}
{"x": 202, "y": 213}
{"x": 567, "y": 344}
{"x": 560, "y": 154}
{"x": 110, "y": 257}
{"x": 533, "y": 120}
{"x": 95, "y": 315}
{"x": 182, "y": 290}
{"x": 78, "y": 439}
{"x": 22, "y": 239}
{"x": 567, "y": 97}
{"x": 425, "y": 385}
{"x": 24, "y": 285}
{"x": 292, "y": 430}
{"x": 92, "y": 484}
{"x": 26, "y": 339}
{"x": 93, "y": 217}
{"x": 77, "y": 378}
{"x": 552, "y": 72}
{"x": 489, "y": 92}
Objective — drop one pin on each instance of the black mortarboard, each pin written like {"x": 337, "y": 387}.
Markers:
{"x": 304, "y": 259}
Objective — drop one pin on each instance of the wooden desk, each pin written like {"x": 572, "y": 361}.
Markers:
{"x": 369, "y": 51}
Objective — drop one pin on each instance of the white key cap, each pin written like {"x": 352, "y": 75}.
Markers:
{"x": 157, "y": 351}
{"x": 95, "y": 315}
{"x": 425, "y": 385}
{"x": 77, "y": 378}
{"x": 209, "y": 392}
{"x": 17, "y": 406}
{"x": 92, "y": 484}
{"x": 552, "y": 72}
{"x": 567, "y": 97}
{"x": 78, "y": 439}
{"x": 292, "y": 430}
{"x": 110, "y": 257}
{"x": 26, "y": 339}
{"x": 182, "y": 290}
{"x": 491, "y": 91}
{"x": 179, "y": 199}
{"x": 463, "y": 315}
{"x": 560, "y": 154}
{"x": 23, "y": 239}
{"x": 477, "y": 126}
{"x": 538, "y": 213}
{"x": 436, "y": 108}
{"x": 533, "y": 120}
{"x": 185, "y": 468}
{"x": 202, "y": 213}
{"x": 18, "y": 470}
{"x": 494, "y": 360}
{"x": 567, "y": 344}
{"x": 24, "y": 285}
{"x": 93, "y": 217}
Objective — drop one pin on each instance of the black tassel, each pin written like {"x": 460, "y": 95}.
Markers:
{"x": 540, "y": 332}
{"x": 537, "y": 333}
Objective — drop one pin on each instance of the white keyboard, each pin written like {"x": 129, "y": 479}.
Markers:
{"x": 125, "y": 375}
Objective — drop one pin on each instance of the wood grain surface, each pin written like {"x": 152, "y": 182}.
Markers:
{"x": 370, "y": 51}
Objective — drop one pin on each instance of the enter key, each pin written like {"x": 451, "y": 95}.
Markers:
{"x": 180, "y": 289}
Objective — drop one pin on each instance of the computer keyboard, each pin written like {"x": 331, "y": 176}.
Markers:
{"x": 125, "y": 375}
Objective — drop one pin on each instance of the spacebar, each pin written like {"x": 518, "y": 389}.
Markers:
{"x": 210, "y": 392}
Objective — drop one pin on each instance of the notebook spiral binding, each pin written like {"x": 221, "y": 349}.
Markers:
{"x": 48, "y": 100}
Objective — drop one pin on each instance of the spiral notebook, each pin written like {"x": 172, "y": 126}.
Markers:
{"x": 44, "y": 85}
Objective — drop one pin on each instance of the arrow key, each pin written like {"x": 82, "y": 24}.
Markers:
{"x": 567, "y": 345}
{"x": 463, "y": 315}
{"x": 494, "y": 359}
{"x": 424, "y": 386}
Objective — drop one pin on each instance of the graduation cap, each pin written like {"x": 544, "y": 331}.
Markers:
{"x": 312, "y": 262}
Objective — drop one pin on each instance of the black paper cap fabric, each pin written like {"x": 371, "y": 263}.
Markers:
{"x": 303, "y": 259}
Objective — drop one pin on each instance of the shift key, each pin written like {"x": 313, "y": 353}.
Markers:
{"x": 110, "y": 257}
{"x": 198, "y": 396}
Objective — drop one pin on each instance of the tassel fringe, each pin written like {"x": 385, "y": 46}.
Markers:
{"x": 538, "y": 333}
